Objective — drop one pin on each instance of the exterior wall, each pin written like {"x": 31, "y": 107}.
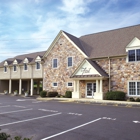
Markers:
{"x": 62, "y": 73}
{"x": 120, "y": 72}
{"x": 4, "y": 75}
{"x": 26, "y": 73}
{"x": 37, "y": 73}
{"x": 15, "y": 74}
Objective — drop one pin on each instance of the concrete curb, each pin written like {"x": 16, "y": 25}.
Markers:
{"x": 90, "y": 101}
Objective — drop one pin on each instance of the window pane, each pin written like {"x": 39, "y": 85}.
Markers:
{"x": 138, "y": 88}
{"x": 25, "y": 66}
{"x": 131, "y": 55}
{"x": 55, "y": 84}
{"x": 54, "y": 63}
{"x": 15, "y": 68}
{"x": 37, "y": 65}
{"x": 69, "y": 84}
{"x": 5, "y": 69}
{"x": 132, "y": 88}
{"x": 138, "y": 55}
{"x": 69, "y": 61}
{"x": 94, "y": 87}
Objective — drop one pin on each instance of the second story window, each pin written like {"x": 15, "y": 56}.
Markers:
{"x": 55, "y": 63}
{"x": 37, "y": 65}
{"x": 69, "y": 61}
{"x": 15, "y": 68}
{"x": 25, "y": 67}
{"x": 5, "y": 69}
{"x": 134, "y": 55}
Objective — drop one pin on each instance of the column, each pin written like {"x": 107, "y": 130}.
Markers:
{"x": 101, "y": 86}
{"x": 20, "y": 86}
{"x": 32, "y": 82}
{"x": 97, "y": 86}
{"x": 10, "y": 83}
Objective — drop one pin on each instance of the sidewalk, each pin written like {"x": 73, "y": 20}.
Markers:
{"x": 85, "y": 100}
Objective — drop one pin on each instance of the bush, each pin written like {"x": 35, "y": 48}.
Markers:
{"x": 43, "y": 93}
{"x": 52, "y": 94}
{"x": 115, "y": 95}
{"x": 137, "y": 100}
{"x": 132, "y": 99}
{"x": 68, "y": 94}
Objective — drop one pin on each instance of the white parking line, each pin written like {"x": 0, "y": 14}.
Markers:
{"x": 37, "y": 102}
{"x": 19, "y": 106}
{"x": 16, "y": 111}
{"x": 48, "y": 110}
{"x": 70, "y": 113}
{"x": 5, "y": 106}
{"x": 31, "y": 119}
{"x": 71, "y": 129}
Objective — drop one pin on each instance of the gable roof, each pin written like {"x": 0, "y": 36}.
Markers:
{"x": 109, "y": 43}
{"x": 20, "y": 58}
{"x": 74, "y": 40}
{"x": 100, "y": 72}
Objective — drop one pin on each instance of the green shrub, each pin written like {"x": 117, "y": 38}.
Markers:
{"x": 115, "y": 95}
{"x": 132, "y": 99}
{"x": 137, "y": 100}
{"x": 68, "y": 94}
{"x": 52, "y": 94}
{"x": 43, "y": 93}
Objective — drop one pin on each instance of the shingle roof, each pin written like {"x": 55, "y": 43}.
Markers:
{"x": 31, "y": 57}
{"x": 107, "y": 43}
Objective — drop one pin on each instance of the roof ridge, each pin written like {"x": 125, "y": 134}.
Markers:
{"x": 110, "y": 30}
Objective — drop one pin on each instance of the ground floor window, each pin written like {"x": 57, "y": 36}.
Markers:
{"x": 54, "y": 84}
{"x": 134, "y": 88}
{"x": 69, "y": 84}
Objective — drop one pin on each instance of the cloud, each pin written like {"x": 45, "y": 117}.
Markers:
{"x": 75, "y": 6}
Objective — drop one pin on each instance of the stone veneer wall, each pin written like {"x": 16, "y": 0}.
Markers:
{"x": 121, "y": 72}
{"x": 62, "y": 50}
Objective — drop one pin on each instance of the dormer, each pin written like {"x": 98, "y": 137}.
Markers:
{"x": 15, "y": 62}
{"x": 38, "y": 59}
{"x": 26, "y": 61}
{"x": 5, "y": 63}
{"x": 133, "y": 49}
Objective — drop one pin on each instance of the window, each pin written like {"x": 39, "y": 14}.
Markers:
{"x": 69, "y": 84}
{"x": 25, "y": 67}
{"x": 15, "y": 68}
{"x": 54, "y": 84}
{"x": 54, "y": 63}
{"x": 69, "y": 61}
{"x": 5, "y": 69}
{"x": 134, "y": 88}
{"x": 37, "y": 65}
{"x": 134, "y": 55}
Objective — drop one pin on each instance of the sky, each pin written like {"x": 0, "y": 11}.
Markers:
{"x": 28, "y": 26}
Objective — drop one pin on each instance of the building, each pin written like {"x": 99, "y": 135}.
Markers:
{"x": 93, "y": 64}
{"x": 89, "y": 66}
{"x": 22, "y": 73}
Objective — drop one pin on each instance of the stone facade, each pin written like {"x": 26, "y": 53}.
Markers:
{"x": 62, "y": 73}
{"x": 121, "y": 72}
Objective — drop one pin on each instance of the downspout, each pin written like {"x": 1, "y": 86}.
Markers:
{"x": 109, "y": 74}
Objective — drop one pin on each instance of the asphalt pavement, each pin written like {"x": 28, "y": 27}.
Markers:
{"x": 66, "y": 120}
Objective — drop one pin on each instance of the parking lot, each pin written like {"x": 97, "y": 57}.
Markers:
{"x": 61, "y": 120}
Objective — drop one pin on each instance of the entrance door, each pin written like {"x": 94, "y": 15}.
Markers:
{"x": 91, "y": 88}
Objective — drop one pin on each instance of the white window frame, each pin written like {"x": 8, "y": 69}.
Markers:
{"x": 54, "y": 83}
{"x": 36, "y": 65}
{"x": 24, "y": 67}
{"x": 135, "y": 55}
{"x": 53, "y": 63}
{"x": 135, "y": 88}
{"x": 68, "y": 84}
{"x": 14, "y": 66}
{"x": 5, "y": 69}
{"x": 68, "y": 60}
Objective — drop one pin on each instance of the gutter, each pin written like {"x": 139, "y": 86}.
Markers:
{"x": 109, "y": 74}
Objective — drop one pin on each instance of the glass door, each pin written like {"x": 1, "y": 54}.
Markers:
{"x": 91, "y": 88}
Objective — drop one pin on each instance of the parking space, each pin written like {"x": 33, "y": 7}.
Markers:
{"x": 68, "y": 121}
